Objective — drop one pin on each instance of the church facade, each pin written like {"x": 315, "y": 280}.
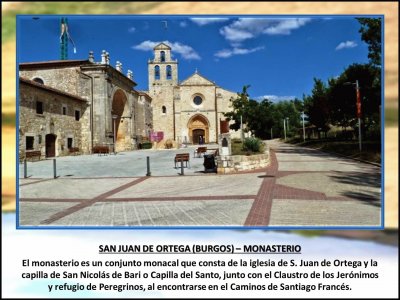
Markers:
{"x": 189, "y": 111}
{"x": 83, "y": 103}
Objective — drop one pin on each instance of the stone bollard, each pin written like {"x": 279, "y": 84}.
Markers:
{"x": 54, "y": 168}
{"x": 182, "y": 172}
{"x": 25, "y": 169}
{"x": 148, "y": 166}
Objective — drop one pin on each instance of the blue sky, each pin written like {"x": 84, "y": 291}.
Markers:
{"x": 277, "y": 56}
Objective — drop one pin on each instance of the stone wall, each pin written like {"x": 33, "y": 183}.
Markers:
{"x": 143, "y": 118}
{"x": 163, "y": 96}
{"x": 236, "y": 163}
{"x": 51, "y": 121}
{"x": 224, "y": 105}
{"x": 66, "y": 79}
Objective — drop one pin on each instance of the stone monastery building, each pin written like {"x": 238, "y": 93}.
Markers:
{"x": 187, "y": 110}
{"x": 82, "y": 104}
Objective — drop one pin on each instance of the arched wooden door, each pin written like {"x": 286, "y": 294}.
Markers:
{"x": 198, "y": 136}
{"x": 198, "y": 127}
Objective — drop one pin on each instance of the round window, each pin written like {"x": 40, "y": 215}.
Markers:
{"x": 197, "y": 100}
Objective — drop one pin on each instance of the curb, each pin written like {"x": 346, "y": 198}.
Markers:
{"x": 341, "y": 155}
{"x": 349, "y": 157}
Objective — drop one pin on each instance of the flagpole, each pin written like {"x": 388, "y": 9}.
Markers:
{"x": 359, "y": 114}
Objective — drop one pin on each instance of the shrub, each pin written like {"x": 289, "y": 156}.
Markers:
{"x": 252, "y": 144}
{"x": 168, "y": 144}
{"x": 146, "y": 145}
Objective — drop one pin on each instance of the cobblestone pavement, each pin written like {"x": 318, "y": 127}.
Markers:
{"x": 301, "y": 187}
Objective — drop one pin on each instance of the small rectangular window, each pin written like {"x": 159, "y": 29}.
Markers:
{"x": 39, "y": 107}
{"x": 64, "y": 110}
{"x": 69, "y": 142}
{"x": 77, "y": 115}
{"x": 29, "y": 142}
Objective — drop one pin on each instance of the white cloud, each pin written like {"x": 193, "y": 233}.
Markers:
{"x": 206, "y": 21}
{"x": 235, "y": 35}
{"x": 275, "y": 98}
{"x": 185, "y": 51}
{"x": 225, "y": 53}
{"x": 346, "y": 44}
{"x": 247, "y": 28}
{"x": 132, "y": 29}
{"x": 285, "y": 26}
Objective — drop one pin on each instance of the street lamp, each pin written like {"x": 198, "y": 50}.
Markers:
{"x": 114, "y": 117}
{"x": 241, "y": 128}
{"x": 358, "y": 110}
{"x": 304, "y": 129}
{"x": 287, "y": 123}
{"x": 284, "y": 127}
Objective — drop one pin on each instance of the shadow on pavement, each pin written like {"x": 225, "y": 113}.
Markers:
{"x": 358, "y": 178}
{"x": 369, "y": 198}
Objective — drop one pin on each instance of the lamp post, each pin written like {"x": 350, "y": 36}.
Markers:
{"x": 241, "y": 128}
{"x": 304, "y": 129}
{"x": 284, "y": 127}
{"x": 287, "y": 124}
{"x": 358, "y": 104}
{"x": 358, "y": 110}
{"x": 114, "y": 117}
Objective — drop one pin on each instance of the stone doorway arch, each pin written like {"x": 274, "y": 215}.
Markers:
{"x": 198, "y": 126}
{"x": 120, "y": 128}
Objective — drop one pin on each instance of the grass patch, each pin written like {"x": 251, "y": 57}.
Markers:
{"x": 44, "y": 8}
{"x": 371, "y": 150}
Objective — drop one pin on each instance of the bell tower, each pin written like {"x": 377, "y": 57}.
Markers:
{"x": 163, "y": 71}
{"x": 163, "y": 80}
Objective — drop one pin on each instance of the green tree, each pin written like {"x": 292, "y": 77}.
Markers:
{"x": 260, "y": 118}
{"x": 371, "y": 34}
{"x": 342, "y": 95}
{"x": 239, "y": 105}
{"x": 317, "y": 107}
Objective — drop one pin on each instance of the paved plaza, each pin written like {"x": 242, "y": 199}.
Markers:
{"x": 301, "y": 187}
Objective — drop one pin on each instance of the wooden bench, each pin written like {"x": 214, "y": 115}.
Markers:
{"x": 73, "y": 150}
{"x": 101, "y": 150}
{"x": 214, "y": 152}
{"x": 184, "y": 157}
{"x": 199, "y": 151}
{"x": 32, "y": 154}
